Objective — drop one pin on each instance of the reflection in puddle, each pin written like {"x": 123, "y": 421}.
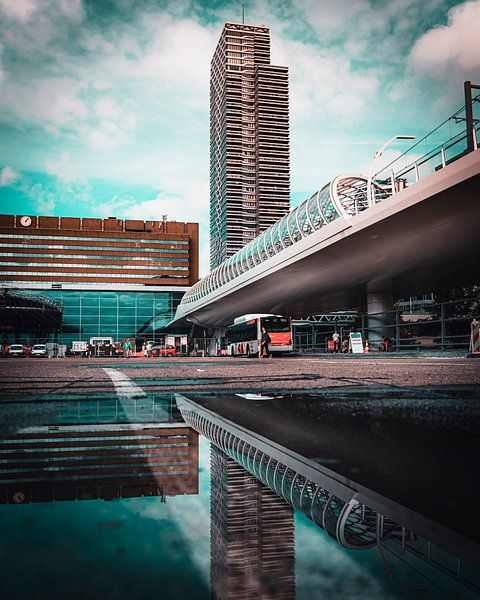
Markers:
{"x": 44, "y": 464}
{"x": 356, "y": 517}
{"x": 252, "y": 535}
{"x": 124, "y": 485}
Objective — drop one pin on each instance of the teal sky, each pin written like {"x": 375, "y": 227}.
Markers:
{"x": 104, "y": 104}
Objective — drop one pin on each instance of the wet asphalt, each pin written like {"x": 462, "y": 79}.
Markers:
{"x": 25, "y": 378}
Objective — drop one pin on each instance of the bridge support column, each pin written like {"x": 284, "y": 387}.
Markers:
{"x": 213, "y": 347}
{"x": 379, "y": 307}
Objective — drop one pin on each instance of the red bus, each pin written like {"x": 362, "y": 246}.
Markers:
{"x": 243, "y": 337}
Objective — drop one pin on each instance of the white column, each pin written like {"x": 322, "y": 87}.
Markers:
{"x": 379, "y": 300}
{"x": 218, "y": 333}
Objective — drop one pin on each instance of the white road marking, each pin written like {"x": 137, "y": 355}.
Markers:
{"x": 124, "y": 386}
{"x": 188, "y": 512}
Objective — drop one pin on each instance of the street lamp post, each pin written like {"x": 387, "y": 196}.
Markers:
{"x": 376, "y": 156}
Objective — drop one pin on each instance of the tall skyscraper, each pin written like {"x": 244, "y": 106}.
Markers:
{"x": 249, "y": 140}
{"x": 252, "y": 536}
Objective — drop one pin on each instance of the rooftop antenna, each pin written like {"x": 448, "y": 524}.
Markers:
{"x": 243, "y": 13}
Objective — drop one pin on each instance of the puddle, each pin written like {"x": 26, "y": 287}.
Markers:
{"x": 107, "y": 497}
{"x": 155, "y": 364}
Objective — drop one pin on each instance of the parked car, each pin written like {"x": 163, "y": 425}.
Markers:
{"x": 39, "y": 350}
{"x": 162, "y": 350}
{"x": 17, "y": 350}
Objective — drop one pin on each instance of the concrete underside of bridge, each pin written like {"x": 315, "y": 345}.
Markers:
{"x": 423, "y": 239}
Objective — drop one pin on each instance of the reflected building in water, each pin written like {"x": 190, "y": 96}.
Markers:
{"x": 252, "y": 536}
{"x": 100, "y": 450}
{"x": 358, "y": 519}
{"x": 107, "y": 448}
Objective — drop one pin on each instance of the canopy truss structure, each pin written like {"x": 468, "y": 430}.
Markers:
{"x": 345, "y": 196}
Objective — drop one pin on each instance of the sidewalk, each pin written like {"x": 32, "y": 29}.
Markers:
{"x": 440, "y": 354}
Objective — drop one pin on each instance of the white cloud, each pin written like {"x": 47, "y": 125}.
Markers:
{"x": 19, "y": 10}
{"x": 52, "y": 102}
{"x": 453, "y": 47}
{"x": 106, "y": 136}
{"x": 332, "y": 572}
{"x": 324, "y": 82}
{"x": 331, "y": 19}
{"x": 26, "y": 11}
{"x": 44, "y": 199}
{"x": 103, "y": 95}
{"x": 106, "y": 108}
{"x": 64, "y": 168}
{"x": 179, "y": 52}
{"x": 72, "y": 9}
{"x": 178, "y": 207}
{"x": 8, "y": 176}
{"x": 360, "y": 26}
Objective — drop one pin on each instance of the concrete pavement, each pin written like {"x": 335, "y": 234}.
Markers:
{"x": 26, "y": 377}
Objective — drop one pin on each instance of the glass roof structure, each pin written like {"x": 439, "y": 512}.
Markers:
{"x": 345, "y": 196}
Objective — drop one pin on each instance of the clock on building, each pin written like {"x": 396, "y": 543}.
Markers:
{"x": 26, "y": 221}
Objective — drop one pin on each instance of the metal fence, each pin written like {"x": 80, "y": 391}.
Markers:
{"x": 440, "y": 326}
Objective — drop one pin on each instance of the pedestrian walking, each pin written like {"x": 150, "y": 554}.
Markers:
{"x": 336, "y": 341}
{"x": 265, "y": 340}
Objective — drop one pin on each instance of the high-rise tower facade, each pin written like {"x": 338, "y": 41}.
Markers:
{"x": 249, "y": 140}
{"x": 252, "y": 536}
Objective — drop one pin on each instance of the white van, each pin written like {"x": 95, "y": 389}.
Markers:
{"x": 39, "y": 350}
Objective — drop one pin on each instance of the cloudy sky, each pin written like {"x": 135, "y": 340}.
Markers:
{"x": 104, "y": 103}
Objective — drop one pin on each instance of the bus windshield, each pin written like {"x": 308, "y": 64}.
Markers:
{"x": 276, "y": 324}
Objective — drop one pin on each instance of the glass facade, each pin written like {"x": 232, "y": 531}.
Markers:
{"x": 116, "y": 314}
{"x": 342, "y": 197}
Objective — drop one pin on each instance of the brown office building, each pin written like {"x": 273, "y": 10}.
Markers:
{"x": 110, "y": 277}
{"x": 87, "y": 462}
{"x": 249, "y": 140}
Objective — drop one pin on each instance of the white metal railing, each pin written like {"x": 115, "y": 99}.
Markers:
{"x": 438, "y": 148}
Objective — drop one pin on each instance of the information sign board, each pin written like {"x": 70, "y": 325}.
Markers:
{"x": 355, "y": 343}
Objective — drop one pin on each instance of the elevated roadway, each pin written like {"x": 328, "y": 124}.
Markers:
{"x": 424, "y": 237}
